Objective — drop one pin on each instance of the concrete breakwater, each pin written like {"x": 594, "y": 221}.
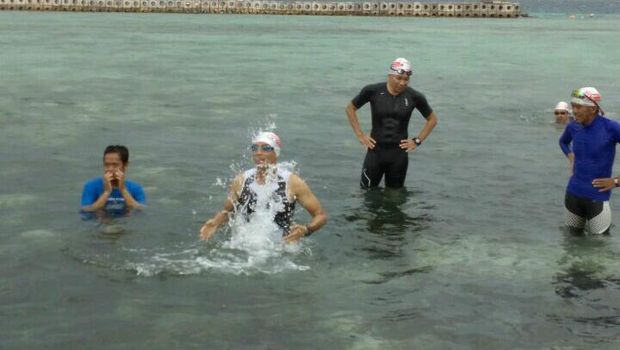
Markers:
{"x": 485, "y": 8}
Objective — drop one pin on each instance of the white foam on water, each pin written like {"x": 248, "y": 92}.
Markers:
{"x": 478, "y": 256}
{"x": 38, "y": 234}
{"x": 219, "y": 182}
{"x": 253, "y": 246}
{"x": 112, "y": 229}
{"x": 16, "y": 200}
{"x": 181, "y": 262}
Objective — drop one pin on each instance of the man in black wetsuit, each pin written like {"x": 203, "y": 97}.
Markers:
{"x": 265, "y": 185}
{"x": 391, "y": 106}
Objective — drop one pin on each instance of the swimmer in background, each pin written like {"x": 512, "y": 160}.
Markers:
{"x": 388, "y": 144}
{"x": 282, "y": 188}
{"x": 589, "y": 143}
{"x": 112, "y": 192}
{"x": 562, "y": 113}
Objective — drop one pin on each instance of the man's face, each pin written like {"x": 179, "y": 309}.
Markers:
{"x": 583, "y": 114}
{"x": 398, "y": 83}
{"x": 263, "y": 154}
{"x": 561, "y": 116}
{"x": 111, "y": 164}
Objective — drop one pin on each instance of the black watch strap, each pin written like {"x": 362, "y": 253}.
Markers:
{"x": 417, "y": 141}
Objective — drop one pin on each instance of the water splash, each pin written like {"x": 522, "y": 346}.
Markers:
{"x": 250, "y": 248}
{"x": 257, "y": 237}
{"x": 219, "y": 182}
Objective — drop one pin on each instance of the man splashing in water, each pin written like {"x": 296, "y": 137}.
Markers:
{"x": 267, "y": 184}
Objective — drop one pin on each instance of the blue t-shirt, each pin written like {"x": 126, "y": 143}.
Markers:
{"x": 594, "y": 147}
{"x": 94, "y": 188}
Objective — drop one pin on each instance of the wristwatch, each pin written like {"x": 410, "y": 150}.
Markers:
{"x": 616, "y": 182}
{"x": 417, "y": 141}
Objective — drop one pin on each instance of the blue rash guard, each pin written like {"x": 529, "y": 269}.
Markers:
{"x": 93, "y": 189}
{"x": 594, "y": 147}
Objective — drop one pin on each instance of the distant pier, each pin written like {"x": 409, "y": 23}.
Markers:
{"x": 484, "y": 8}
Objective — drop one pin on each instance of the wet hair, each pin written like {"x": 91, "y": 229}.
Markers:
{"x": 122, "y": 151}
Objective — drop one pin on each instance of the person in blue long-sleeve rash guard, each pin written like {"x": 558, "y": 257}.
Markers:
{"x": 589, "y": 143}
{"x": 112, "y": 192}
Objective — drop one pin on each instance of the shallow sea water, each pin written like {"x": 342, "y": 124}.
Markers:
{"x": 471, "y": 255}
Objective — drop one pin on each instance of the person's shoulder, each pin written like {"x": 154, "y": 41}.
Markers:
{"x": 610, "y": 123}
{"x": 414, "y": 93}
{"x": 94, "y": 182}
{"x": 283, "y": 171}
{"x": 376, "y": 87}
{"x": 573, "y": 126}
{"x": 133, "y": 185}
{"x": 240, "y": 179}
{"x": 244, "y": 175}
{"x": 609, "y": 120}
{"x": 136, "y": 190}
{"x": 295, "y": 180}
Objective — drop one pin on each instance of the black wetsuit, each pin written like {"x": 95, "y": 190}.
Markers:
{"x": 390, "y": 120}
{"x": 277, "y": 193}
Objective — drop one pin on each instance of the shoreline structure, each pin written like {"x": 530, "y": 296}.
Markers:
{"x": 481, "y": 9}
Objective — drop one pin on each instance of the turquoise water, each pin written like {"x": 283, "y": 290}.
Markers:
{"x": 471, "y": 256}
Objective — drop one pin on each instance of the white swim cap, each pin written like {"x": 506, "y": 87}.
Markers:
{"x": 269, "y": 138}
{"x": 586, "y": 96}
{"x": 562, "y": 106}
{"x": 400, "y": 66}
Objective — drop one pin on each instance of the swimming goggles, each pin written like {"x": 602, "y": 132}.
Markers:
{"x": 560, "y": 112}
{"x": 580, "y": 94}
{"x": 401, "y": 71}
{"x": 264, "y": 148}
